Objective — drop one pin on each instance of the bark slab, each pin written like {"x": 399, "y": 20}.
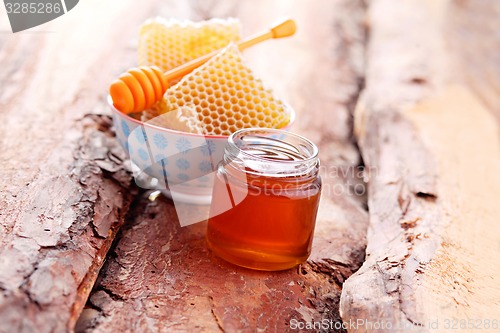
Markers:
{"x": 427, "y": 132}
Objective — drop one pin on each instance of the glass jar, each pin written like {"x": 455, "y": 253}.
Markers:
{"x": 265, "y": 200}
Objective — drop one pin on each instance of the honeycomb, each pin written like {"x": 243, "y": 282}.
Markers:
{"x": 171, "y": 43}
{"x": 225, "y": 95}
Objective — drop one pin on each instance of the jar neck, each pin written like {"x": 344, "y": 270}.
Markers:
{"x": 271, "y": 153}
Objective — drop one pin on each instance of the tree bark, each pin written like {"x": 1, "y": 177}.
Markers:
{"x": 64, "y": 188}
{"x": 432, "y": 146}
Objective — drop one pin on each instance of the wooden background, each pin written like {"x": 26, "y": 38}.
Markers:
{"x": 409, "y": 89}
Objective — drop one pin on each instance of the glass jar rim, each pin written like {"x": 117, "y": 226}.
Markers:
{"x": 306, "y": 151}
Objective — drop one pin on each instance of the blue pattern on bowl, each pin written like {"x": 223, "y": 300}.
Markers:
{"x": 205, "y": 166}
{"x": 125, "y": 129}
{"x": 182, "y": 164}
{"x": 183, "y": 145}
{"x": 143, "y": 154}
{"x": 183, "y": 177}
{"x": 161, "y": 158}
{"x": 140, "y": 135}
{"x": 160, "y": 141}
{"x": 209, "y": 148}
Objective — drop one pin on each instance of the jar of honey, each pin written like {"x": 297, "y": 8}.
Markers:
{"x": 265, "y": 199}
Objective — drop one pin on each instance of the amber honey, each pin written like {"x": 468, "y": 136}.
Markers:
{"x": 265, "y": 200}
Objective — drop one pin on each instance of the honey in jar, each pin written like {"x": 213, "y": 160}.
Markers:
{"x": 265, "y": 200}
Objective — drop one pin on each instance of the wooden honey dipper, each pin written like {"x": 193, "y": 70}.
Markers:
{"x": 140, "y": 88}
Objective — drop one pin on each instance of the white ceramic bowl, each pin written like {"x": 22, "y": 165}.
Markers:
{"x": 179, "y": 161}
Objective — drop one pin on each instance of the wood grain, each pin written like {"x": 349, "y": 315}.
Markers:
{"x": 64, "y": 188}
{"x": 425, "y": 131}
{"x": 161, "y": 277}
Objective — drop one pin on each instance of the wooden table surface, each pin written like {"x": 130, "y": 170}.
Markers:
{"x": 83, "y": 248}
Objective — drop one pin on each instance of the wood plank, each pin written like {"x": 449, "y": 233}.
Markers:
{"x": 477, "y": 58}
{"x": 433, "y": 240}
{"x": 64, "y": 189}
{"x": 161, "y": 277}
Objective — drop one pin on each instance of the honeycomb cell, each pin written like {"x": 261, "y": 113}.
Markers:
{"x": 230, "y": 96}
{"x": 169, "y": 43}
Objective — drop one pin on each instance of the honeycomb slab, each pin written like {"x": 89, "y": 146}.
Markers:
{"x": 226, "y": 97}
